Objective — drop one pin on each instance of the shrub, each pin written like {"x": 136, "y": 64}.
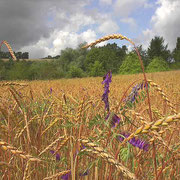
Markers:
{"x": 97, "y": 69}
{"x": 157, "y": 64}
{"x": 130, "y": 65}
{"x": 75, "y": 72}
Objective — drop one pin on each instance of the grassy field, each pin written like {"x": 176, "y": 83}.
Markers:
{"x": 61, "y": 129}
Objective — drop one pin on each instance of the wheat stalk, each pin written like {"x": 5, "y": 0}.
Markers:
{"x": 153, "y": 126}
{"x": 26, "y": 170}
{"x": 57, "y": 175}
{"x": 164, "y": 96}
{"x": 51, "y": 124}
{"x": 23, "y": 129}
{"x": 53, "y": 143}
{"x": 99, "y": 151}
{"x": 9, "y": 48}
{"x": 5, "y": 146}
{"x": 12, "y": 84}
{"x": 157, "y": 134}
{"x": 105, "y": 38}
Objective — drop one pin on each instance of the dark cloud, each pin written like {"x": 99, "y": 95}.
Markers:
{"x": 24, "y": 22}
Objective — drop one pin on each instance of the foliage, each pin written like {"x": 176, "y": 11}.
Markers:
{"x": 96, "y": 61}
{"x": 176, "y": 51}
{"x": 157, "y": 64}
{"x": 75, "y": 72}
{"x": 19, "y": 55}
{"x": 130, "y": 65}
{"x": 175, "y": 66}
{"x": 97, "y": 69}
{"x": 158, "y": 49}
{"x": 19, "y": 70}
{"x": 111, "y": 56}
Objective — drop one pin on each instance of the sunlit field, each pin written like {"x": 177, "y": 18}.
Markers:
{"x": 62, "y": 129}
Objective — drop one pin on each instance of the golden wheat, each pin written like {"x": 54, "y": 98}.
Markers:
{"x": 153, "y": 126}
{"x": 12, "y": 84}
{"x": 99, "y": 151}
{"x": 9, "y": 48}
{"x": 160, "y": 91}
{"x": 53, "y": 143}
{"x": 5, "y": 146}
{"x": 57, "y": 175}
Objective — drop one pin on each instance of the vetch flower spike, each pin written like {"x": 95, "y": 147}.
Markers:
{"x": 106, "y": 81}
{"x": 135, "y": 92}
{"x": 66, "y": 176}
{"x": 84, "y": 173}
{"x": 57, "y": 155}
{"x": 135, "y": 142}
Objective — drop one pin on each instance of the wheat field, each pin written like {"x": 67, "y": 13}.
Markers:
{"x": 52, "y": 129}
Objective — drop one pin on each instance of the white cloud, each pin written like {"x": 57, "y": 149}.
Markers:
{"x": 108, "y": 27}
{"x": 58, "y": 41}
{"x": 165, "y": 22}
{"x": 106, "y": 2}
{"x": 124, "y": 8}
{"x": 129, "y": 21}
{"x": 74, "y": 22}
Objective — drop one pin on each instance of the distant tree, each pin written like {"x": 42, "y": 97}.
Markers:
{"x": 75, "y": 72}
{"x": 130, "y": 65}
{"x": 67, "y": 56}
{"x": 18, "y": 55}
{"x": 157, "y": 64}
{"x": 49, "y": 57}
{"x": 114, "y": 56}
{"x": 25, "y": 55}
{"x": 92, "y": 56}
{"x": 97, "y": 69}
{"x": 158, "y": 49}
{"x": 176, "y": 51}
{"x": 143, "y": 54}
{"x": 110, "y": 56}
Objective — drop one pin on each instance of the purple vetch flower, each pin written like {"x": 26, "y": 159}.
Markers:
{"x": 57, "y": 155}
{"x": 82, "y": 147}
{"x": 51, "y": 90}
{"x": 66, "y": 176}
{"x": 106, "y": 81}
{"x": 115, "y": 120}
{"x": 52, "y": 152}
{"x": 84, "y": 173}
{"x": 134, "y": 93}
{"x": 135, "y": 142}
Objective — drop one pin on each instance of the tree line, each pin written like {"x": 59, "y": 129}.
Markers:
{"x": 95, "y": 62}
{"x": 19, "y": 55}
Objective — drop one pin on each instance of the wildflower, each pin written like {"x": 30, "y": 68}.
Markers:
{"x": 115, "y": 120}
{"x": 50, "y": 90}
{"x": 106, "y": 81}
{"x": 84, "y": 173}
{"x": 66, "y": 176}
{"x": 135, "y": 142}
{"x": 57, "y": 155}
{"x": 82, "y": 147}
{"x": 134, "y": 93}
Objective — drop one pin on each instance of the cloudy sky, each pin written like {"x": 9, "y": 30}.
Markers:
{"x": 45, "y": 27}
